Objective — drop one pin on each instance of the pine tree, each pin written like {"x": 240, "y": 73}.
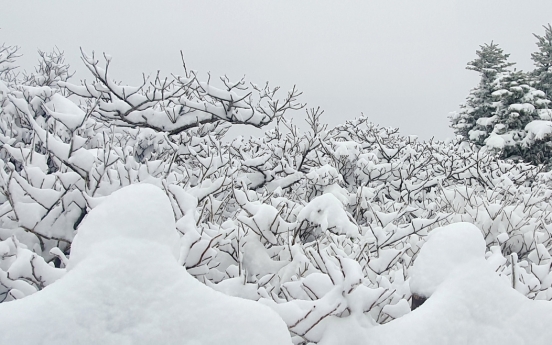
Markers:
{"x": 543, "y": 61}
{"x": 491, "y": 61}
{"x": 518, "y": 104}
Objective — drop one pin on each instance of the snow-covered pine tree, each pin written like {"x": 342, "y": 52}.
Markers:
{"x": 542, "y": 73}
{"x": 518, "y": 105}
{"x": 490, "y": 62}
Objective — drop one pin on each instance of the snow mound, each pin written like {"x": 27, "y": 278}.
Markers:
{"x": 141, "y": 212}
{"x": 126, "y": 287}
{"x": 447, "y": 249}
{"x": 470, "y": 303}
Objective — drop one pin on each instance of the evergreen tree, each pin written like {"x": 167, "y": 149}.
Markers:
{"x": 518, "y": 105}
{"x": 491, "y": 61}
{"x": 543, "y": 61}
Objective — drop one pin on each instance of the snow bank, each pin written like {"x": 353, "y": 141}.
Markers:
{"x": 469, "y": 304}
{"x": 124, "y": 286}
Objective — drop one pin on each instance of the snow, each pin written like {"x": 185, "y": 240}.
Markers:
{"x": 22, "y": 270}
{"x": 124, "y": 286}
{"x": 446, "y": 249}
{"x": 495, "y": 141}
{"x": 327, "y": 212}
{"x": 475, "y": 134}
{"x": 350, "y": 149}
{"x": 487, "y": 121}
{"x": 545, "y": 114}
{"x": 523, "y": 108}
{"x": 258, "y": 161}
{"x": 65, "y": 111}
{"x": 256, "y": 260}
{"x": 500, "y": 93}
{"x": 133, "y": 220}
{"x": 539, "y": 129}
{"x": 469, "y": 302}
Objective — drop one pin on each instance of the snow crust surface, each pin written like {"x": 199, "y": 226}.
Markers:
{"x": 124, "y": 286}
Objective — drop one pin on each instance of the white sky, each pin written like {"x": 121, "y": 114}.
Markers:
{"x": 401, "y": 62}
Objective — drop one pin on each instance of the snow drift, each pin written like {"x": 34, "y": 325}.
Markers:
{"x": 124, "y": 286}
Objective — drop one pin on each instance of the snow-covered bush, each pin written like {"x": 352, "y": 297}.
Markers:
{"x": 469, "y": 303}
{"x": 319, "y": 226}
{"x": 124, "y": 285}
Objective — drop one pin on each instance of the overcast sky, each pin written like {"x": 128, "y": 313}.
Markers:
{"x": 401, "y": 62}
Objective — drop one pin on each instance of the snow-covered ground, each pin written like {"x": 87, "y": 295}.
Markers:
{"x": 124, "y": 286}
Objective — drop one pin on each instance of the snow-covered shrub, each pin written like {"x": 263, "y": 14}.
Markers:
{"x": 125, "y": 285}
{"x": 23, "y": 272}
{"x": 469, "y": 303}
{"x": 319, "y": 226}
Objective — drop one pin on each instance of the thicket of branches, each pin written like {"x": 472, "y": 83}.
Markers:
{"x": 317, "y": 224}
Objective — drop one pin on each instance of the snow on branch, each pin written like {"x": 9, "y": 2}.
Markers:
{"x": 179, "y": 103}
